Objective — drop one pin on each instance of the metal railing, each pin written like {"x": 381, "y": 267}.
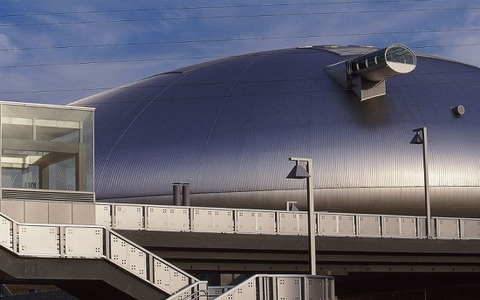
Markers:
{"x": 281, "y": 222}
{"x": 69, "y": 241}
{"x": 197, "y": 291}
{"x": 277, "y": 287}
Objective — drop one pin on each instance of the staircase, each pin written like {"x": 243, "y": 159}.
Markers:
{"x": 277, "y": 287}
{"x": 94, "y": 262}
{"x": 90, "y": 261}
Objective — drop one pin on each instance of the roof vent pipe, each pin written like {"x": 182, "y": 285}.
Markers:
{"x": 176, "y": 194}
{"x": 186, "y": 194}
{"x": 365, "y": 75}
{"x": 379, "y": 65}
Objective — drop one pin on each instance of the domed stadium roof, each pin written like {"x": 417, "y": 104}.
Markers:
{"x": 228, "y": 127}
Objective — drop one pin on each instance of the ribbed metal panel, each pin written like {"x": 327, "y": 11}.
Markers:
{"x": 40, "y": 195}
{"x": 229, "y": 126}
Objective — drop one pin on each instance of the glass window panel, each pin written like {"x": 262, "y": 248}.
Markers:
{"x": 27, "y": 178}
{"x": 62, "y": 175}
{"x": 47, "y": 147}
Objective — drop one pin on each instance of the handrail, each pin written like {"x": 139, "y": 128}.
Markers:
{"x": 292, "y": 286}
{"x": 195, "y": 291}
{"x": 279, "y": 222}
{"x": 68, "y": 241}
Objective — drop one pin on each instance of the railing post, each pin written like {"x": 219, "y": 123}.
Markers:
{"x": 202, "y": 290}
{"x": 15, "y": 237}
{"x": 332, "y": 288}
{"x": 357, "y": 232}
{"x": 62, "y": 241}
{"x": 144, "y": 217}
{"x": 305, "y": 290}
{"x": 262, "y": 287}
{"x": 151, "y": 269}
{"x": 107, "y": 250}
{"x": 462, "y": 229}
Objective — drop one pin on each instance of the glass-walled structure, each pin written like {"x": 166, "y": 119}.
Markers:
{"x": 46, "y": 147}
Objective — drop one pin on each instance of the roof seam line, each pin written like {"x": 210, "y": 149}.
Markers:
{"x": 223, "y": 104}
{"x": 134, "y": 120}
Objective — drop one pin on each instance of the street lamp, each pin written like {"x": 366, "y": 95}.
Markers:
{"x": 417, "y": 140}
{"x": 299, "y": 172}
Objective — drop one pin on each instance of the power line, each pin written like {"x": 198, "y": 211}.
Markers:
{"x": 252, "y": 38}
{"x": 57, "y": 91}
{"x": 196, "y": 97}
{"x": 96, "y": 62}
{"x": 269, "y": 5}
{"x": 430, "y": 31}
{"x": 151, "y": 59}
{"x": 238, "y": 16}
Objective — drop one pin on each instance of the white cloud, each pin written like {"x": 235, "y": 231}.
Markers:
{"x": 7, "y": 57}
{"x": 376, "y": 24}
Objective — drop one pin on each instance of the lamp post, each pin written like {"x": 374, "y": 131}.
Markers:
{"x": 417, "y": 140}
{"x": 298, "y": 172}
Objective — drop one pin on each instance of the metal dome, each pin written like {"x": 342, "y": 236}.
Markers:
{"x": 229, "y": 126}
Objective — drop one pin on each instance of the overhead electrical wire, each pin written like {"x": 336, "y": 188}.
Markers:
{"x": 259, "y": 15}
{"x": 48, "y": 91}
{"x": 289, "y": 14}
{"x": 430, "y": 31}
{"x": 150, "y": 59}
{"x": 256, "y": 5}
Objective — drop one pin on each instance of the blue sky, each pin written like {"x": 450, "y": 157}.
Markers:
{"x": 61, "y": 51}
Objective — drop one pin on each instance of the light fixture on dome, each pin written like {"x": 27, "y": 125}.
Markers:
{"x": 417, "y": 140}
{"x": 459, "y": 110}
{"x": 299, "y": 172}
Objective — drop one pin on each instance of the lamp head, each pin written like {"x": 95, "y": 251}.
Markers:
{"x": 417, "y": 139}
{"x": 298, "y": 172}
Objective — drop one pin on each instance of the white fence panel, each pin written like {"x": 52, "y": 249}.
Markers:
{"x": 336, "y": 225}
{"x": 288, "y": 288}
{"x": 408, "y": 227}
{"x": 167, "y": 218}
{"x": 212, "y": 220}
{"x": 399, "y": 227}
{"x": 470, "y": 229}
{"x": 103, "y": 216}
{"x": 316, "y": 288}
{"x": 292, "y": 223}
{"x": 84, "y": 242}
{"x": 369, "y": 226}
{"x": 246, "y": 221}
{"x": 138, "y": 261}
{"x": 447, "y": 228}
{"x": 128, "y": 217}
{"x": 38, "y": 240}
{"x": 6, "y": 233}
{"x": 391, "y": 227}
{"x": 266, "y": 222}
{"x": 167, "y": 278}
{"x": 260, "y": 222}
{"x": 128, "y": 256}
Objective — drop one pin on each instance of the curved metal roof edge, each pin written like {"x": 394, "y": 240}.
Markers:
{"x": 337, "y": 49}
{"x": 329, "y": 48}
{"x": 427, "y": 55}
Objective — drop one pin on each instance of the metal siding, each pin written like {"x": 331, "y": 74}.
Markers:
{"x": 229, "y": 126}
